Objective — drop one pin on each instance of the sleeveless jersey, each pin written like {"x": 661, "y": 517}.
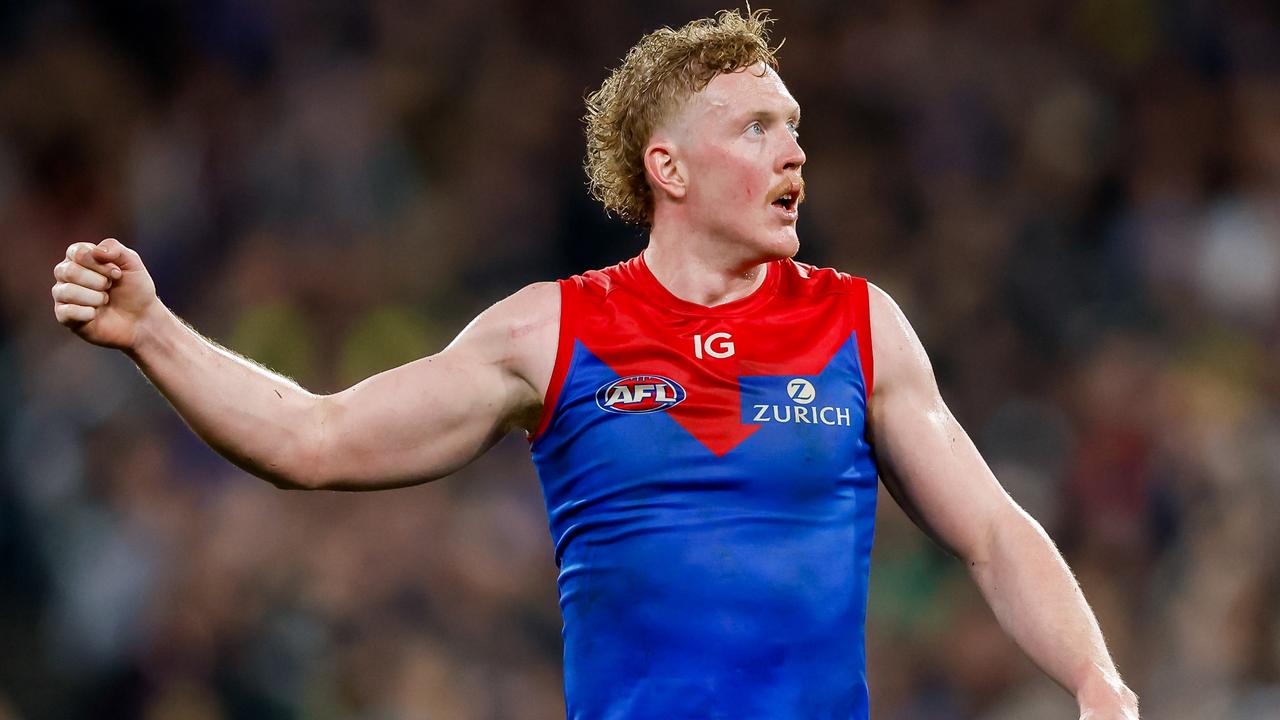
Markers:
{"x": 711, "y": 496}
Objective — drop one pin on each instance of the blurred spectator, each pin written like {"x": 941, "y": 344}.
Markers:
{"x": 1078, "y": 204}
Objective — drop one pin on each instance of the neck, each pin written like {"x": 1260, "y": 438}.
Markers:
{"x": 701, "y": 271}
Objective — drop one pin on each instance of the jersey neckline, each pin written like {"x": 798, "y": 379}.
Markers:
{"x": 660, "y": 295}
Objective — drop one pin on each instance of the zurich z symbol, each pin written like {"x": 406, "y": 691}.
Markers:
{"x": 801, "y": 391}
{"x": 640, "y": 394}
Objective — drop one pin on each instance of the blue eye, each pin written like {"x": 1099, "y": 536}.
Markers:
{"x": 794, "y": 128}
{"x": 756, "y": 128}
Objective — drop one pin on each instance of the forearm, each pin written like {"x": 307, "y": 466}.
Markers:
{"x": 260, "y": 420}
{"x": 1039, "y": 603}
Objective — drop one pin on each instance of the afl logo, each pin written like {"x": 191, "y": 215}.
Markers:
{"x": 801, "y": 391}
{"x": 640, "y": 394}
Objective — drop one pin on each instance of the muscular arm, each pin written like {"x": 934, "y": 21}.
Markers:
{"x": 426, "y": 419}
{"x": 931, "y": 467}
{"x": 412, "y": 424}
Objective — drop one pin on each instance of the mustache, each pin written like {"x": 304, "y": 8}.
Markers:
{"x": 781, "y": 189}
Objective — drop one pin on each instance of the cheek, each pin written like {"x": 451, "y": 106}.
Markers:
{"x": 736, "y": 180}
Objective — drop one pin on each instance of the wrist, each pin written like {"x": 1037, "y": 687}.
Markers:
{"x": 150, "y": 331}
{"x": 1108, "y": 696}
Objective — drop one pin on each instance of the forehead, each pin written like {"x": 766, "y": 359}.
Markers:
{"x": 745, "y": 91}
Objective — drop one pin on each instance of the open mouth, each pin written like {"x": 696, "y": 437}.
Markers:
{"x": 788, "y": 195}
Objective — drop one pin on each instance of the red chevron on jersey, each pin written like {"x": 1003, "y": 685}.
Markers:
{"x": 793, "y": 324}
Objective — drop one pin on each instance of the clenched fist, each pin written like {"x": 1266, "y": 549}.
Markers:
{"x": 103, "y": 293}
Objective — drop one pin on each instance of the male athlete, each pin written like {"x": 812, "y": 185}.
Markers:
{"x": 708, "y": 419}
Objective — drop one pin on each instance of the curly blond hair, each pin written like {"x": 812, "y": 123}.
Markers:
{"x": 656, "y": 76}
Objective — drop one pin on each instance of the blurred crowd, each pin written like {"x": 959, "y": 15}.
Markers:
{"x": 1077, "y": 204}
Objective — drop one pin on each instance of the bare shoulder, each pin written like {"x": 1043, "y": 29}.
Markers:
{"x": 899, "y": 355}
{"x": 527, "y": 311}
{"x": 519, "y": 333}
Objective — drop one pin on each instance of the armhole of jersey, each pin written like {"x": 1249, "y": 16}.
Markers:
{"x": 564, "y": 355}
{"x": 862, "y": 316}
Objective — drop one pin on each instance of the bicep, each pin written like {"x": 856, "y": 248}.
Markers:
{"x": 426, "y": 419}
{"x": 927, "y": 461}
{"x": 415, "y": 423}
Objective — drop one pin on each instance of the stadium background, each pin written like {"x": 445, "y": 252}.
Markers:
{"x": 1077, "y": 203}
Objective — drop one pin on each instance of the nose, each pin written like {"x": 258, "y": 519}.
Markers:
{"x": 792, "y": 157}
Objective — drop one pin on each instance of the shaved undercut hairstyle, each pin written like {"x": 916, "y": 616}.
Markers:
{"x": 655, "y": 78}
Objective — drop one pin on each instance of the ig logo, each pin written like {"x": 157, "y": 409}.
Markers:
{"x": 801, "y": 391}
{"x": 717, "y": 345}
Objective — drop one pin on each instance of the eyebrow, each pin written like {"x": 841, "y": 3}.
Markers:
{"x": 770, "y": 114}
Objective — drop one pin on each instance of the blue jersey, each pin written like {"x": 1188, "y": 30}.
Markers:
{"x": 711, "y": 496}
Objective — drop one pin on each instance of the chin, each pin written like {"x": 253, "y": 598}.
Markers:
{"x": 783, "y": 245}
{"x": 793, "y": 246}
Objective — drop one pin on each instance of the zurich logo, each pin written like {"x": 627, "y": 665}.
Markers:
{"x": 801, "y": 409}
{"x": 640, "y": 394}
{"x": 801, "y": 391}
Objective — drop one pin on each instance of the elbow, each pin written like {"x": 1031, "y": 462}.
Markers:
{"x": 292, "y": 476}
{"x": 304, "y": 461}
{"x": 282, "y": 475}
{"x": 294, "y": 482}
{"x": 1008, "y": 534}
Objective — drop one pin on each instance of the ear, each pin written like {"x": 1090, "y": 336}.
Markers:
{"x": 666, "y": 173}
